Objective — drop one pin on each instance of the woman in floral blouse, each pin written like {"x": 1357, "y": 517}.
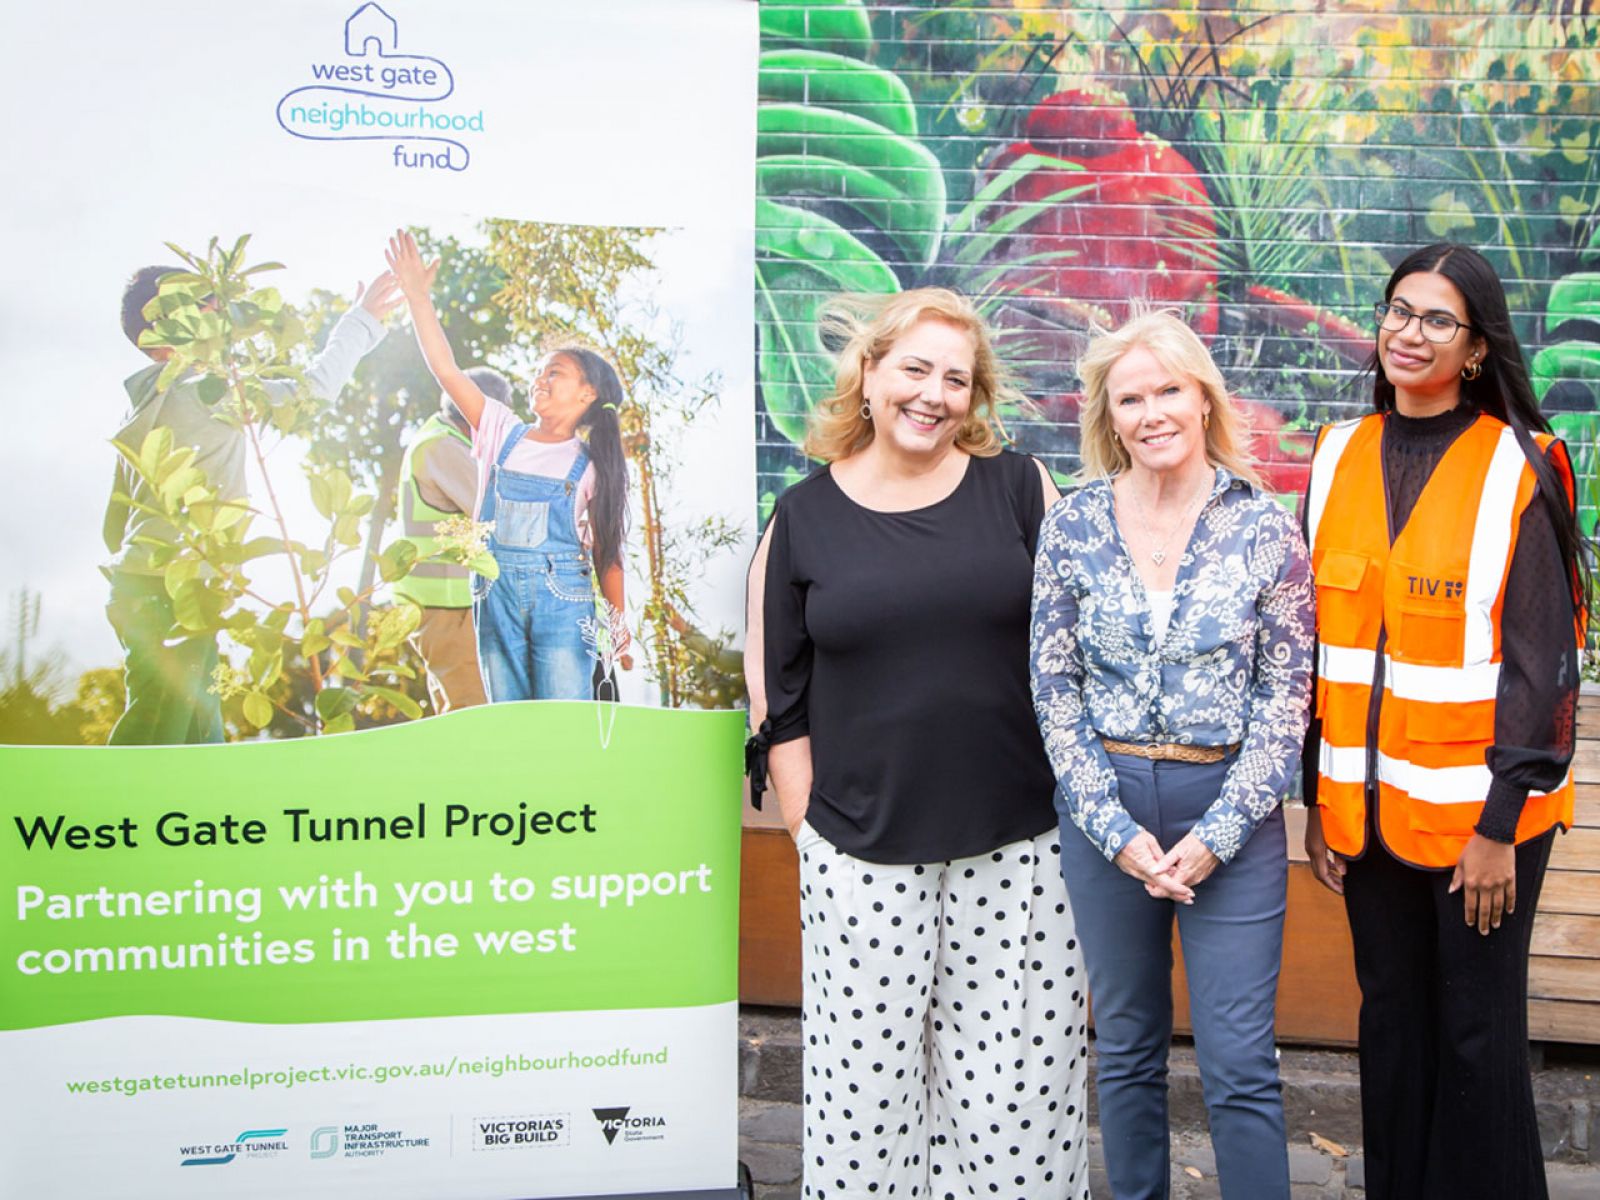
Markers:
{"x": 1171, "y": 663}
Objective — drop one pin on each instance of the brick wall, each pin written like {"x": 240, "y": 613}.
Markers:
{"x": 1260, "y": 165}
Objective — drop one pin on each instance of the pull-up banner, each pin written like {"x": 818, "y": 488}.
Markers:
{"x": 369, "y": 751}
{"x": 346, "y": 966}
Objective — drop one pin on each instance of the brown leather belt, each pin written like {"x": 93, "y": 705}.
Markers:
{"x": 1169, "y": 751}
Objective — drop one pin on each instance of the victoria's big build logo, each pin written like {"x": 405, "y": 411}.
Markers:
{"x": 374, "y": 94}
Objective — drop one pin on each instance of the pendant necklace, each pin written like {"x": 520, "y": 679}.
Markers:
{"x": 1159, "y": 554}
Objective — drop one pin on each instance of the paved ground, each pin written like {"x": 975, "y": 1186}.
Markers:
{"x": 1321, "y": 1094}
{"x": 769, "y": 1144}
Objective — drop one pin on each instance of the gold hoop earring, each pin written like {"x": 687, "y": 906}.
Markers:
{"x": 1205, "y": 419}
{"x": 1472, "y": 370}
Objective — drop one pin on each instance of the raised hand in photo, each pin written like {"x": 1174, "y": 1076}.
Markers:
{"x": 405, "y": 261}
{"x": 380, "y": 297}
{"x": 415, "y": 279}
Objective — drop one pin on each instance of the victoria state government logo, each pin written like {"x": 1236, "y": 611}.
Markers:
{"x": 633, "y": 1128}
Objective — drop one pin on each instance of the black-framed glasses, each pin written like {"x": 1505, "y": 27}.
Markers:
{"x": 1438, "y": 328}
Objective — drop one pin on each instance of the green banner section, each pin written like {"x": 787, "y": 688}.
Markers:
{"x": 511, "y": 858}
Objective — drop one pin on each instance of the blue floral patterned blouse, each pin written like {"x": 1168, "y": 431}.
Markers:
{"x": 1235, "y": 665}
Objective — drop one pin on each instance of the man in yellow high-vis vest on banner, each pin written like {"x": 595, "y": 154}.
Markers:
{"x": 439, "y": 480}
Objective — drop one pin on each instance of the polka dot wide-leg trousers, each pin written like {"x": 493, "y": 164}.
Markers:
{"x": 944, "y": 1023}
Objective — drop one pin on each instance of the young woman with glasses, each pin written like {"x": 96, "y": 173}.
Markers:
{"x": 1450, "y": 610}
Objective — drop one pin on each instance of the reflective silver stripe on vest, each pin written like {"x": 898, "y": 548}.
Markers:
{"x": 1426, "y": 785}
{"x": 1409, "y": 681}
{"x": 1491, "y": 546}
{"x": 1323, "y": 465}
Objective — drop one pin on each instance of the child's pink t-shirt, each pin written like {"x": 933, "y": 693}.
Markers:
{"x": 550, "y": 459}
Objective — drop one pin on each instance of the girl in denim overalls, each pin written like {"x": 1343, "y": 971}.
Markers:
{"x": 558, "y": 527}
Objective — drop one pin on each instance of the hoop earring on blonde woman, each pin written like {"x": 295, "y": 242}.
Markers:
{"x": 866, "y": 410}
{"x": 1205, "y": 419}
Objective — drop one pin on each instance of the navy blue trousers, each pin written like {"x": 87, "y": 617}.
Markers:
{"x": 1232, "y": 939}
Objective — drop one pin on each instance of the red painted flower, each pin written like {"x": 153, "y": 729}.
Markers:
{"x": 1144, "y": 229}
{"x": 1283, "y": 456}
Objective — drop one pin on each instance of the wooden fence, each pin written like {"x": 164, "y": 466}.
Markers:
{"x": 1317, "y": 996}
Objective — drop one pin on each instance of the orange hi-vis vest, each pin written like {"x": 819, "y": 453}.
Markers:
{"x": 1432, "y": 601}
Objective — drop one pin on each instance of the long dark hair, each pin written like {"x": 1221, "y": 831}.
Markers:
{"x": 602, "y": 431}
{"x": 1502, "y": 389}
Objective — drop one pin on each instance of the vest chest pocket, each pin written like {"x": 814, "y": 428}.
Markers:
{"x": 1342, "y": 571}
{"x": 523, "y": 524}
{"x": 1429, "y": 634}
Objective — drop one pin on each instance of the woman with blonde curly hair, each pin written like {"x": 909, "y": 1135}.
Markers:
{"x": 1172, "y": 638}
{"x": 887, "y": 663}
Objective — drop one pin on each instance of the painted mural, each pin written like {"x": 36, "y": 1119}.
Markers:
{"x": 1261, "y": 168}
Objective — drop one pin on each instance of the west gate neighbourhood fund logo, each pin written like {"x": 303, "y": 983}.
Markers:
{"x": 376, "y": 94}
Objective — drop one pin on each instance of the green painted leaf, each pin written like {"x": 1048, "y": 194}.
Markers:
{"x": 802, "y": 259}
{"x": 1573, "y": 298}
{"x": 1002, "y": 183}
{"x": 782, "y": 175}
{"x": 837, "y": 81}
{"x": 824, "y": 24}
{"x": 1447, "y": 215}
{"x": 341, "y": 724}
{"x": 835, "y": 140}
{"x": 484, "y": 564}
{"x": 335, "y": 702}
{"x": 257, "y": 710}
{"x": 1565, "y": 360}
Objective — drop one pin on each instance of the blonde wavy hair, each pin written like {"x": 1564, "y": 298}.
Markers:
{"x": 865, "y": 327}
{"x": 1178, "y": 349}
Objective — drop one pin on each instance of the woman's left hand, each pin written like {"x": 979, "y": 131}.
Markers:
{"x": 1190, "y": 862}
{"x": 1487, "y": 871}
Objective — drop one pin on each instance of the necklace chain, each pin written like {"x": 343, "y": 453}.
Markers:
{"x": 1159, "y": 554}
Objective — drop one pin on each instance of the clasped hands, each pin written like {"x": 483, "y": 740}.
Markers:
{"x": 1171, "y": 874}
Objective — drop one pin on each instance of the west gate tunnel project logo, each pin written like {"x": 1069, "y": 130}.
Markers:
{"x": 252, "y": 1143}
{"x": 373, "y": 93}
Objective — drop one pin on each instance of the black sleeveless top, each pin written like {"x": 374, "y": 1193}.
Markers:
{"x": 899, "y": 643}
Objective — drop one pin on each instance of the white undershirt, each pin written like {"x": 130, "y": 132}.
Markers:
{"x": 1160, "y": 615}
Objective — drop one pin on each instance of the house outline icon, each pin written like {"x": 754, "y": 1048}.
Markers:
{"x": 367, "y": 25}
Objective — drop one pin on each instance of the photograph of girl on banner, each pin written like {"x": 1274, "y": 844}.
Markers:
{"x": 555, "y": 493}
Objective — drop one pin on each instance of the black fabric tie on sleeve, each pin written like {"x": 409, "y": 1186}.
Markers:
{"x": 756, "y": 749}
